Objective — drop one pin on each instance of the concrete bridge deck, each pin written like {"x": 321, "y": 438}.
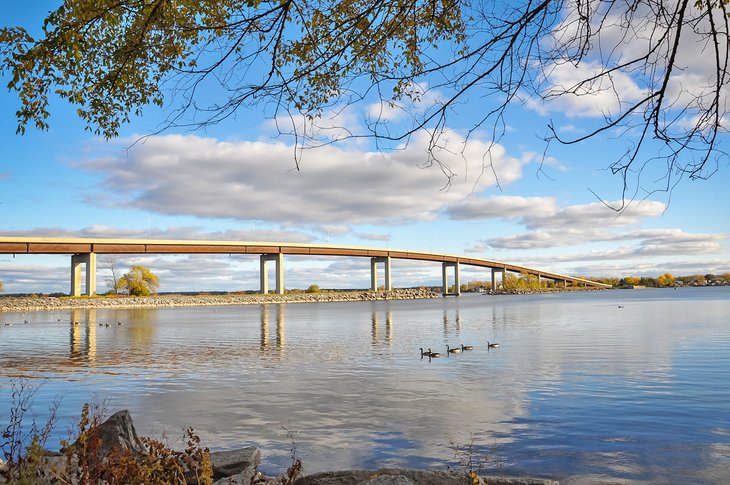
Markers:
{"x": 84, "y": 251}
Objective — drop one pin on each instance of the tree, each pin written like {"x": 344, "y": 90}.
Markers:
{"x": 313, "y": 289}
{"x": 112, "y": 280}
{"x": 666, "y": 280}
{"x": 421, "y": 59}
{"x": 632, "y": 281}
{"x": 140, "y": 281}
{"x": 2, "y": 287}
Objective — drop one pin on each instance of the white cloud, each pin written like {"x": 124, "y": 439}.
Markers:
{"x": 373, "y": 237}
{"x": 544, "y": 212}
{"x": 181, "y": 232}
{"x": 204, "y": 177}
{"x": 502, "y": 207}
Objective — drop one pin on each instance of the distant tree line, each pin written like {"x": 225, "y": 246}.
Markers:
{"x": 667, "y": 280}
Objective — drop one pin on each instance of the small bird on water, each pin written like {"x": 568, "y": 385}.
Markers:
{"x": 492, "y": 345}
{"x": 452, "y": 351}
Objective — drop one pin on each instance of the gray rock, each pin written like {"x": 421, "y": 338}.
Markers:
{"x": 243, "y": 478}
{"x": 118, "y": 431}
{"x": 234, "y": 462}
{"x": 389, "y": 476}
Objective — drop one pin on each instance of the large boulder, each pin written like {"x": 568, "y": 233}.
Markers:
{"x": 235, "y": 462}
{"x": 117, "y": 431}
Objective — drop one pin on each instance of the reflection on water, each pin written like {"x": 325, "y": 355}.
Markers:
{"x": 87, "y": 353}
{"x": 578, "y": 387}
{"x": 280, "y": 327}
{"x": 376, "y": 322}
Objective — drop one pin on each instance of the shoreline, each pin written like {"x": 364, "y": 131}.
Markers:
{"x": 50, "y": 303}
{"x": 169, "y": 300}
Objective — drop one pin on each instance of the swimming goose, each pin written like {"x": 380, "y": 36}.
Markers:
{"x": 452, "y": 351}
{"x": 492, "y": 345}
{"x": 466, "y": 347}
{"x": 433, "y": 354}
{"x": 425, "y": 354}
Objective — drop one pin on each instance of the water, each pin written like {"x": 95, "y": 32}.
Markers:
{"x": 579, "y": 389}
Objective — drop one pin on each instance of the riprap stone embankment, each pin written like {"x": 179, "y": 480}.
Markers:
{"x": 46, "y": 303}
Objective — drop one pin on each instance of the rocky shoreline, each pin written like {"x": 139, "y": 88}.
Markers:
{"x": 233, "y": 467}
{"x": 46, "y": 303}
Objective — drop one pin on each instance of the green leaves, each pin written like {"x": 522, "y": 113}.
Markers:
{"x": 112, "y": 58}
{"x": 140, "y": 281}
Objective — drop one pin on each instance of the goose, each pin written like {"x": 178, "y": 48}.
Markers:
{"x": 492, "y": 345}
{"x": 426, "y": 354}
{"x": 433, "y": 354}
{"x": 8, "y": 324}
{"x": 467, "y": 347}
{"x": 107, "y": 324}
{"x": 120, "y": 323}
{"x": 452, "y": 351}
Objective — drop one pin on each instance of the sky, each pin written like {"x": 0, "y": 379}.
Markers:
{"x": 239, "y": 180}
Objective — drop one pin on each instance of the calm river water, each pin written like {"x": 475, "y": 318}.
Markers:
{"x": 629, "y": 384}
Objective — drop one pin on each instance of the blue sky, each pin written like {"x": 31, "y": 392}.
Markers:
{"x": 237, "y": 180}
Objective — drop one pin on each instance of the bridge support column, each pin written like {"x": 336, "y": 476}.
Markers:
{"x": 388, "y": 285}
{"x": 494, "y": 279}
{"x": 445, "y": 278}
{"x": 277, "y": 258}
{"x": 89, "y": 260}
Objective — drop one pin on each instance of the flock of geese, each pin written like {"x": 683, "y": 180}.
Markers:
{"x": 26, "y": 322}
{"x": 453, "y": 350}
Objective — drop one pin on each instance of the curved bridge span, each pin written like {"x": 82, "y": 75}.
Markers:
{"x": 83, "y": 251}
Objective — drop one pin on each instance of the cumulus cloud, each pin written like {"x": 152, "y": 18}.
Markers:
{"x": 545, "y": 213}
{"x": 373, "y": 237}
{"x": 204, "y": 177}
{"x": 176, "y": 232}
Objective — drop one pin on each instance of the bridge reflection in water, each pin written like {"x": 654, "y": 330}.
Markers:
{"x": 280, "y": 326}
{"x": 83, "y": 321}
{"x": 138, "y": 329}
{"x": 375, "y": 324}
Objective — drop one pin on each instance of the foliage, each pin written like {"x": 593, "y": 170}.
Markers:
{"x": 666, "y": 280}
{"x": 475, "y": 285}
{"x": 523, "y": 282}
{"x": 313, "y": 289}
{"x": 631, "y": 281}
{"x": 2, "y": 287}
{"x": 140, "y": 281}
{"x": 24, "y": 452}
{"x": 22, "y": 447}
{"x": 415, "y": 59}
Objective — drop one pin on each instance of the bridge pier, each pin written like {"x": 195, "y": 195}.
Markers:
{"x": 445, "y": 278}
{"x": 89, "y": 260}
{"x": 388, "y": 285}
{"x": 278, "y": 259}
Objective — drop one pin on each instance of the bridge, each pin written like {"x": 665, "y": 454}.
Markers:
{"x": 83, "y": 252}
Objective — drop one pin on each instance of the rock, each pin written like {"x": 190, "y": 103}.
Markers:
{"x": 243, "y": 478}
{"x": 388, "y": 476}
{"x": 118, "y": 431}
{"x": 235, "y": 462}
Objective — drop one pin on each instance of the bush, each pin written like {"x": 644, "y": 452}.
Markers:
{"x": 313, "y": 289}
